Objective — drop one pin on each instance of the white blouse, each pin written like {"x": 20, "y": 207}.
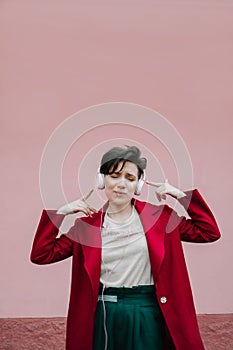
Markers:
{"x": 125, "y": 257}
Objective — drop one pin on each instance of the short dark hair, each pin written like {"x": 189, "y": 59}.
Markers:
{"x": 115, "y": 155}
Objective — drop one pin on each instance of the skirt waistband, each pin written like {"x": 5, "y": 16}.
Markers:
{"x": 141, "y": 291}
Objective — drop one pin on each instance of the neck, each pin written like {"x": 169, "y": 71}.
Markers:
{"x": 119, "y": 213}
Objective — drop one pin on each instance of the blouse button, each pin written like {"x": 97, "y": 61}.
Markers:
{"x": 163, "y": 300}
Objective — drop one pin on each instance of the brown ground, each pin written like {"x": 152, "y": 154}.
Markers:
{"x": 49, "y": 333}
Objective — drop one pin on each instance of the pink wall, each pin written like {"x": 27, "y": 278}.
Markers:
{"x": 58, "y": 57}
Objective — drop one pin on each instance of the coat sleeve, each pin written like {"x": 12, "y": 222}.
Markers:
{"x": 202, "y": 226}
{"x": 47, "y": 248}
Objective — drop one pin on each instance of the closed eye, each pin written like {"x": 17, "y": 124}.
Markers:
{"x": 114, "y": 175}
{"x": 131, "y": 178}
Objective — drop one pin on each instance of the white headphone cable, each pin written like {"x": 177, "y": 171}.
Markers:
{"x": 104, "y": 285}
{"x": 102, "y": 295}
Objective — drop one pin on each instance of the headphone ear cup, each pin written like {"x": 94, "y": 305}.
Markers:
{"x": 100, "y": 183}
{"x": 139, "y": 187}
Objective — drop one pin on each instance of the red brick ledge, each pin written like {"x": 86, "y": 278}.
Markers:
{"x": 49, "y": 333}
{"x": 216, "y": 331}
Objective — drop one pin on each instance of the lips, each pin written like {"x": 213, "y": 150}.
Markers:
{"x": 118, "y": 192}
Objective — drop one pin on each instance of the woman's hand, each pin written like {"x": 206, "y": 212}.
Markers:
{"x": 77, "y": 206}
{"x": 164, "y": 188}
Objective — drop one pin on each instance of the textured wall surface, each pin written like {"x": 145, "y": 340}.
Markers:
{"x": 49, "y": 333}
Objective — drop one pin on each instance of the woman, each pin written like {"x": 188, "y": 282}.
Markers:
{"x": 130, "y": 287}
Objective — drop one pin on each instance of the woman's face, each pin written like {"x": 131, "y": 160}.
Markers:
{"x": 120, "y": 185}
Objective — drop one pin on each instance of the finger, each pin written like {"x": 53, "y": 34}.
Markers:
{"x": 85, "y": 211}
{"x": 162, "y": 191}
{"x": 88, "y": 207}
{"x": 160, "y": 195}
{"x": 88, "y": 195}
{"x": 155, "y": 184}
{"x": 93, "y": 210}
{"x": 84, "y": 206}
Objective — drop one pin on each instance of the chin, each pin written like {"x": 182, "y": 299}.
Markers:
{"x": 121, "y": 201}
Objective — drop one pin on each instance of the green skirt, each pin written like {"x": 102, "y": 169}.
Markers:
{"x": 128, "y": 319}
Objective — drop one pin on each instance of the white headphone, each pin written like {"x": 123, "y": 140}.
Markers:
{"x": 100, "y": 182}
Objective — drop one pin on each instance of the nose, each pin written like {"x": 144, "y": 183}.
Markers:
{"x": 121, "y": 183}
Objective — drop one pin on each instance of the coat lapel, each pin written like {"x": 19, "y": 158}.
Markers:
{"x": 154, "y": 220}
{"x": 91, "y": 248}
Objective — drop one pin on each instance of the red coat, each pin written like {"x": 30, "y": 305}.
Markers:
{"x": 83, "y": 241}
